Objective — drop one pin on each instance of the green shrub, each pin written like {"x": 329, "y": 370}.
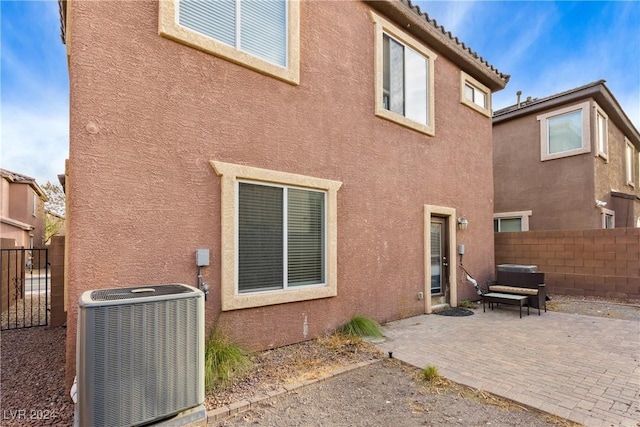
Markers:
{"x": 222, "y": 360}
{"x": 430, "y": 373}
{"x": 361, "y": 326}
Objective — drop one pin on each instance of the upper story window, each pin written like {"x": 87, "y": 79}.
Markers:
{"x": 565, "y": 132}
{"x": 259, "y": 34}
{"x": 34, "y": 204}
{"x": 602, "y": 134}
{"x": 474, "y": 94}
{"x": 629, "y": 163}
{"x": 404, "y": 78}
{"x": 279, "y": 236}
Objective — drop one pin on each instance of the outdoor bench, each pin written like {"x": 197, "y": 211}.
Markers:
{"x": 521, "y": 283}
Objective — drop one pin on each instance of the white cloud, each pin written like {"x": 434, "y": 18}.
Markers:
{"x": 34, "y": 98}
{"x": 35, "y": 142}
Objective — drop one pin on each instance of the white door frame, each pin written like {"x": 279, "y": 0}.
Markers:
{"x": 450, "y": 214}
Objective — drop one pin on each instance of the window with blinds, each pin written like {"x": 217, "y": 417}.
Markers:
{"x": 281, "y": 237}
{"x": 257, "y": 27}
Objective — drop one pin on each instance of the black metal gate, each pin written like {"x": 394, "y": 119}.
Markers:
{"x": 25, "y": 286}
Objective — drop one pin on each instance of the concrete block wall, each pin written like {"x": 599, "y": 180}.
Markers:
{"x": 578, "y": 262}
{"x": 56, "y": 259}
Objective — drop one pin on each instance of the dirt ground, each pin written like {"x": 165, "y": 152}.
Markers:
{"x": 384, "y": 393}
{"x": 388, "y": 393}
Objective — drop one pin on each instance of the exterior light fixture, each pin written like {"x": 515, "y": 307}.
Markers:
{"x": 463, "y": 223}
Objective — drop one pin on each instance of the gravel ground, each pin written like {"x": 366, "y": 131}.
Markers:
{"x": 389, "y": 394}
{"x": 385, "y": 393}
{"x": 32, "y": 378}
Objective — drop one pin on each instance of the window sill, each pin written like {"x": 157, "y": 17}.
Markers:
{"x": 403, "y": 121}
{"x": 232, "y": 301}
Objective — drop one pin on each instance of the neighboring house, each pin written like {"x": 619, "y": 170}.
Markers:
{"x": 22, "y": 210}
{"x": 567, "y": 161}
{"x": 324, "y": 160}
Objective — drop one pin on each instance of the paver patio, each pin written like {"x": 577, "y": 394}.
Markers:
{"x": 582, "y": 368}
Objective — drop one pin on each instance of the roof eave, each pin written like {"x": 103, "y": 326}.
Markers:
{"x": 407, "y": 17}
{"x": 599, "y": 92}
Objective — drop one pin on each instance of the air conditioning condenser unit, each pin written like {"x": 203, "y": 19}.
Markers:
{"x": 139, "y": 355}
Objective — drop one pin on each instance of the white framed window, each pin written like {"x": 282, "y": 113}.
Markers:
{"x": 629, "y": 163}
{"x": 261, "y": 35}
{"x": 511, "y": 221}
{"x": 601, "y": 131}
{"x": 404, "y": 78}
{"x": 474, "y": 94}
{"x": 34, "y": 204}
{"x": 608, "y": 218}
{"x": 279, "y": 236}
{"x": 565, "y": 132}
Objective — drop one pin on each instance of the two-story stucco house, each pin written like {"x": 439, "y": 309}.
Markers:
{"x": 324, "y": 153}
{"x": 21, "y": 210}
{"x": 567, "y": 161}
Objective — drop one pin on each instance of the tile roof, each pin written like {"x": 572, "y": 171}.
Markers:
{"x": 15, "y": 177}
{"x": 597, "y": 91}
{"x": 534, "y": 101}
{"x": 24, "y": 179}
{"x": 459, "y": 44}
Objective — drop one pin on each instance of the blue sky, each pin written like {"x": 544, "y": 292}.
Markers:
{"x": 546, "y": 47}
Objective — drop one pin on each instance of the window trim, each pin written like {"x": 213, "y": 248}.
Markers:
{"x": 628, "y": 163}
{"x": 169, "y": 27}
{"x": 599, "y": 151}
{"x": 544, "y": 132}
{"x": 232, "y": 173}
{"x": 522, "y": 215}
{"x": 382, "y": 26}
{"x": 34, "y": 202}
{"x": 466, "y": 79}
{"x": 608, "y": 212}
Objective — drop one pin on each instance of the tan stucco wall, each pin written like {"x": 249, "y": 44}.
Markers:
{"x": 20, "y": 236}
{"x": 21, "y": 209}
{"x": 149, "y": 114}
{"x": 611, "y": 176}
{"x": 559, "y": 192}
{"x": 4, "y": 197}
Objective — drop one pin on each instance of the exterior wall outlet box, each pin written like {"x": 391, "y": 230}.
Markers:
{"x": 420, "y": 295}
{"x": 460, "y": 249}
{"x": 202, "y": 257}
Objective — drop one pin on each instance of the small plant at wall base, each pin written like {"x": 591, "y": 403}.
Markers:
{"x": 222, "y": 360}
{"x": 430, "y": 373}
{"x": 468, "y": 304}
{"x": 361, "y": 326}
